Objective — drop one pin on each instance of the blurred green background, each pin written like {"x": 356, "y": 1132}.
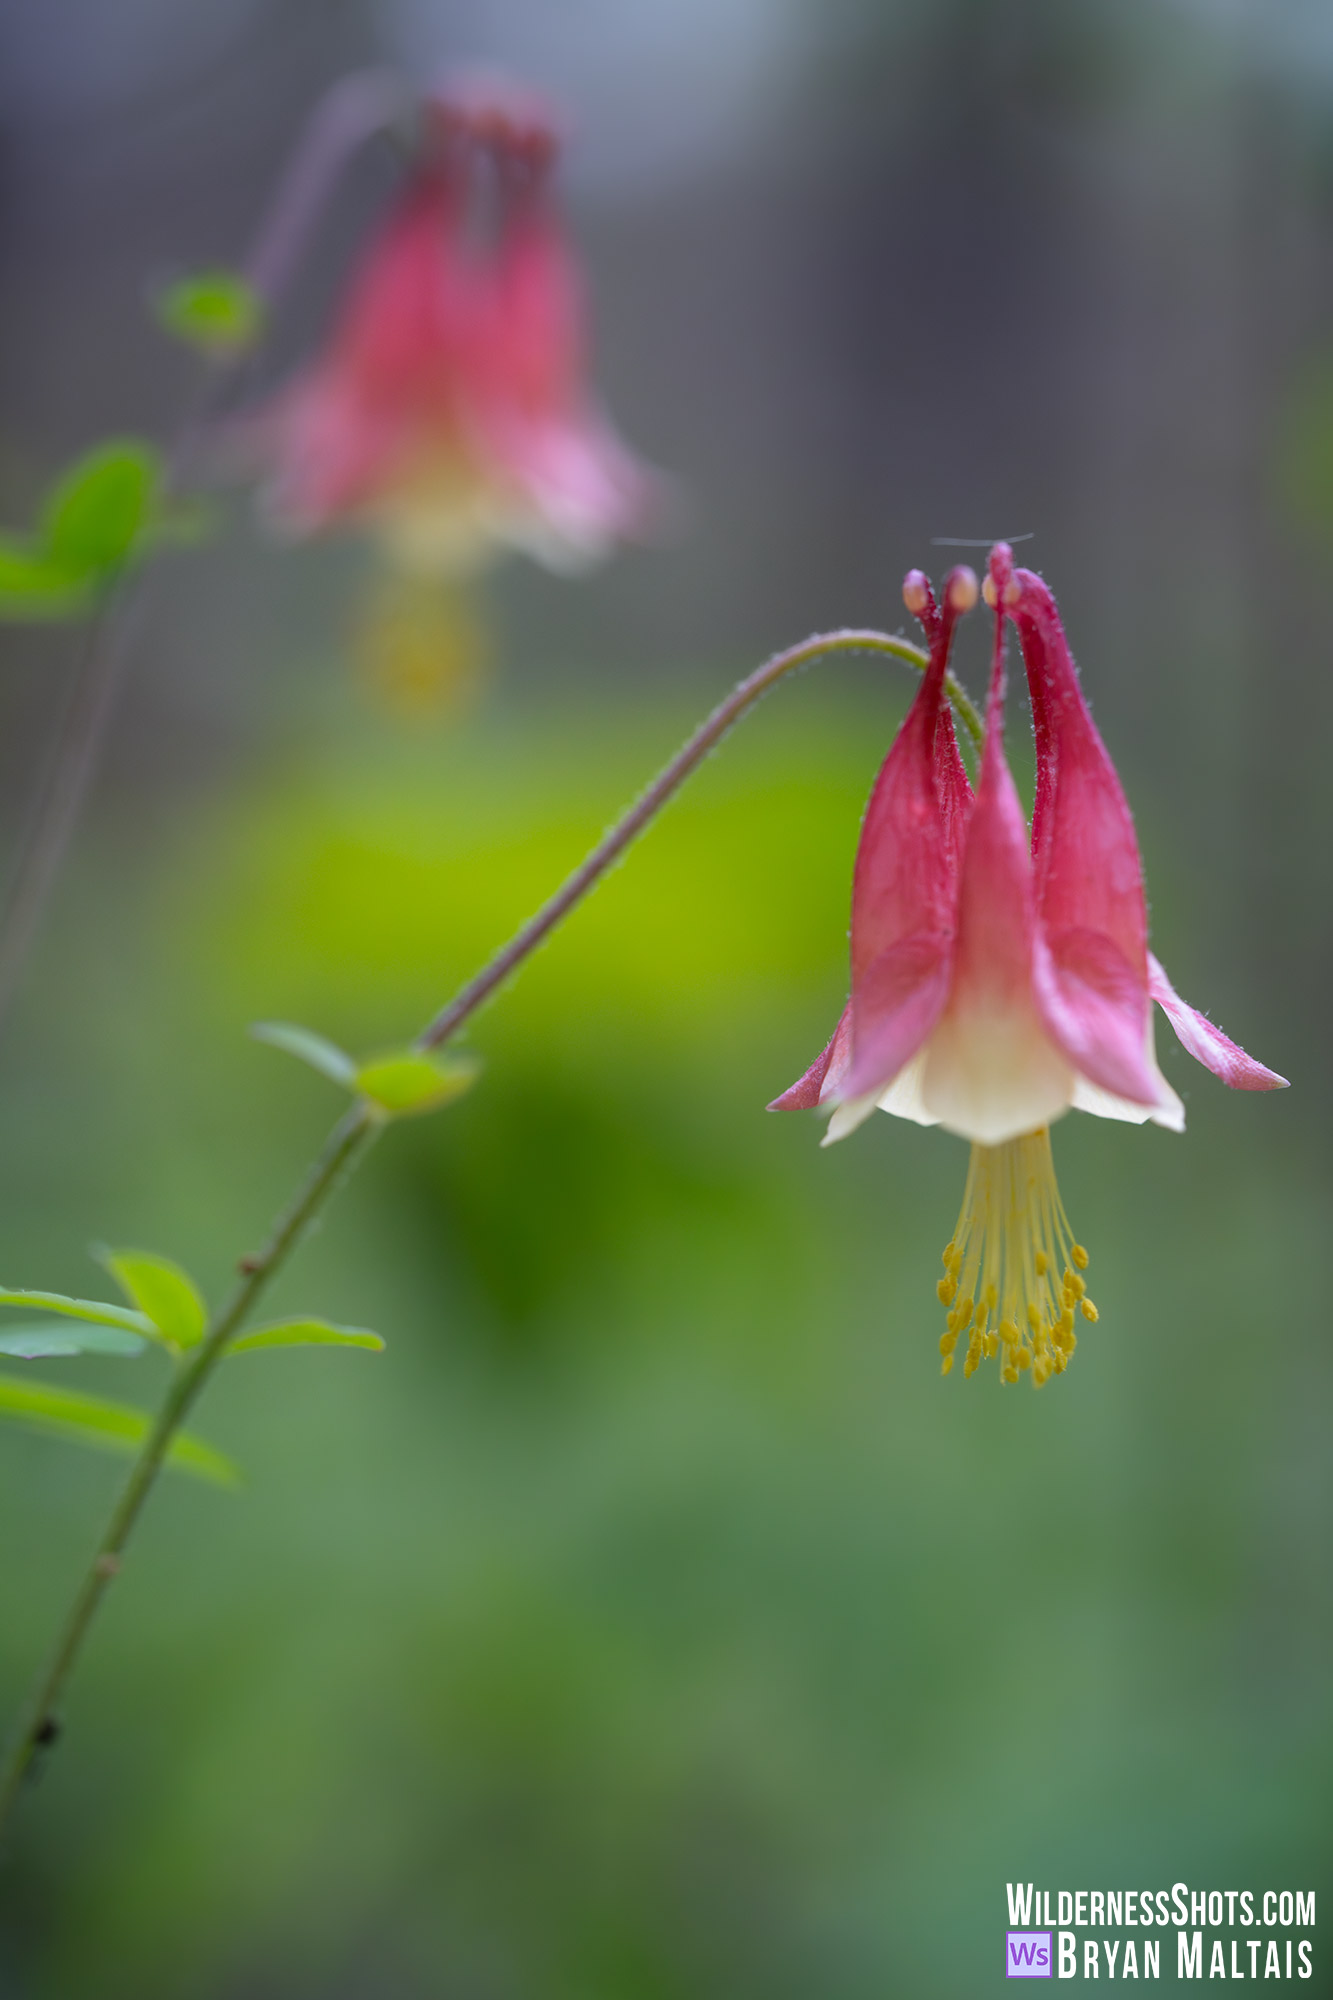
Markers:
{"x": 651, "y": 1622}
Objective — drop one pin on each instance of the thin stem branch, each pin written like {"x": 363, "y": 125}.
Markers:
{"x": 349, "y": 1140}
{"x": 349, "y": 114}
{"x": 610, "y": 848}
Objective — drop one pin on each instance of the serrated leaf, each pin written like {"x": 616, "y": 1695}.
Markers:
{"x": 97, "y": 1310}
{"x": 97, "y": 511}
{"x": 308, "y": 1047}
{"x": 35, "y": 1343}
{"x": 216, "y": 311}
{"x": 305, "y": 1333}
{"x": 406, "y": 1082}
{"x": 108, "y": 1426}
{"x": 163, "y": 1291}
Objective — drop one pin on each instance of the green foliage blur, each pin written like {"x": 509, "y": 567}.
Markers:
{"x": 651, "y": 1619}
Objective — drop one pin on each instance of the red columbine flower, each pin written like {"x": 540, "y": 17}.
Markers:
{"x": 996, "y": 986}
{"x": 449, "y": 411}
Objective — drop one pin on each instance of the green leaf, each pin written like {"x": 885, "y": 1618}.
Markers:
{"x": 35, "y": 1343}
{"x": 305, "y": 1333}
{"x": 93, "y": 1420}
{"x": 168, "y": 1295}
{"x": 308, "y": 1047}
{"x": 404, "y": 1082}
{"x": 98, "y": 511}
{"x": 216, "y": 311}
{"x": 95, "y": 1310}
{"x": 35, "y": 587}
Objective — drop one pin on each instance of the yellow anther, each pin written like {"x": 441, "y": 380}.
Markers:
{"x": 1065, "y": 1324}
{"x": 1008, "y": 1333}
{"x": 945, "y": 1290}
{"x": 948, "y": 1342}
{"x": 1079, "y": 1257}
{"x": 1088, "y": 1309}
{"x": 989, "y": 1345}
{"x": 992, "y": 1296}
{"x": 946, "y": 1256}
{"x": 1024, "y": 1357}
{"x": 1008, "y": 1374}
{"x": 1073, "y": 1283}
{"x": 1060, "y": 1363}
{"x": 946, "y": 1365}
{"x": 970, "y": 1365}
{"x": 965, "y": 1309}
{"x": 1071, "y": 1342}
{"x": 1042, "y": 1263}
{"x": 1034, "y": 1317}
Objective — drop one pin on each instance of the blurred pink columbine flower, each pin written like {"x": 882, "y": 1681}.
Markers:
{"x": 449, "y": 412}
{"x": 996, "y": 985}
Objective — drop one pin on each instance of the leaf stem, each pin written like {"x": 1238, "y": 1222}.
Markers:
{"x": 350, "y": 1139}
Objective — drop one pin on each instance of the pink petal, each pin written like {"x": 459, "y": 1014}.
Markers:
{"x": 903, "y": 887}
{"x": 895, "y": 1004}
{"x": 990, "y": 1070}
{"x": 1085, "y": 855}
{"x": 824, "y": 1073}
{"x": 1206, "y": 1043}
{"x": 1097, "y": 1011}
{"x": 902, "y": 901}
{"x": 995, "y": 916}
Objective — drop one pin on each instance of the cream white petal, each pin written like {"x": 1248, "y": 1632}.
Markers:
{"x": 992, "y": 1074}
{"x": 904, "y": 1095}
{"x": 847, "y": 1117}
{"x": 1168, "y": 1111}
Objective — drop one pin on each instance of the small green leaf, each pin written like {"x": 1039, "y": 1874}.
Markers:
{"x": 216, "y": 311}
{"x": 36, "y": 588}
{"x": 95, "y": 1310}
{"x": 168, "y": 1295}
{"x": 404, "y": 1082}
{"x": 308, "y": 1047}
{"x": 93, "y": 1420}
{"x": 98, "y": 511}
{"x": 35, "y": 1343}
{"x": 305, "y": 1333}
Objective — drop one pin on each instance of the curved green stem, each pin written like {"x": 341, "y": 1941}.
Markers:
{"x": 349, "y": 1140}
{"x": 613, "y": 844}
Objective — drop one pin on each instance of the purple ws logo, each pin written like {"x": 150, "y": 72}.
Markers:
{"x": 1027, "y": 1954}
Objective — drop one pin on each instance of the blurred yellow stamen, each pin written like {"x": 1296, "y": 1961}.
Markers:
{"x": 1013, "y": 1236}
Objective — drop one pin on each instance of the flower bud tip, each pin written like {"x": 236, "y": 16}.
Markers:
{"x": 961, "y": 589}
{"x": 1012, "y": 591}
{"x": 916, "y": 591}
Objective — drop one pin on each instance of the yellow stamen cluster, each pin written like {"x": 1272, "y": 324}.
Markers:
{"x": 1013, "y": 1274}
